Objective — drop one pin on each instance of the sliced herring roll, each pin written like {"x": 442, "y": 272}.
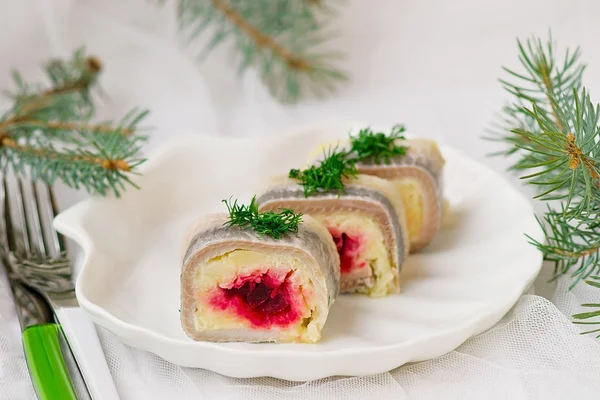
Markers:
{"x": 418, "y": 176}
{"x": 366, "y": 221}
{"x": 238, "y": 285}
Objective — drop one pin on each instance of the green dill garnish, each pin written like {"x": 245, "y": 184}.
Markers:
{"x": 328, "y": 175}
{"x": 267, "y": 223}
{"x": 368, "y": 144}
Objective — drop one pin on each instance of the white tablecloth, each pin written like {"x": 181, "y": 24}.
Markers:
{"x": 432, "y": 65}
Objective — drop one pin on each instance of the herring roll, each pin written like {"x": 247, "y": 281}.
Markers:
{"x": 241, "y": 284}
{"x": 415, "y": 166}
{"x": 418, "y": 176}
{"x": 366, "y": 221}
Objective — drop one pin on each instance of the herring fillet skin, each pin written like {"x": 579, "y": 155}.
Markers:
{"x": 422, "y": 164}
{"x": 306, "y": 262}
{"x": 366, "y": 199}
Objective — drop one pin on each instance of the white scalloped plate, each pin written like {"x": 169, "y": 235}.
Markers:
{"x": 461, "y": 285}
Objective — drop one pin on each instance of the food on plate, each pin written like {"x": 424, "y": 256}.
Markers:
{"x": 258, "y": 277}
{"x": 364, "y": 215}
{"x": 415, "y": 166}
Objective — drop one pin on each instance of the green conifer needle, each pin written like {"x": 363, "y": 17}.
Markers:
{"x": 552, "y": 134}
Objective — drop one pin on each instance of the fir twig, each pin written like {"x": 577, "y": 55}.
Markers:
{"x": 276, "y": 37}
{"x": 267, "y": 223}
{"x": 63, "y": 125}
{"x": 543, "y": 81}
{"x": 48, "y": 132}
{"x": 293, "y": 61}
{"x": 594, "y": 281}
{"x": 552, "y": 129}
{"x": 572, "y": 245}
{"x": 329, "y": 175}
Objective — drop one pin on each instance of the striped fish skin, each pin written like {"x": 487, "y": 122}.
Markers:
{"x": 423, "y": 162}
{"x": 360, "y": 197}
{"x": 312, "y": 245}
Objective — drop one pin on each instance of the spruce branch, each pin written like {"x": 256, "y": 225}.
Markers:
{"x": 63, "y": 126}
{"x": 543, "y": 81}
{"x": 566, "y": 165}
{"x": 48, "y": 131}
{"x": 277, "y": 37}
{"x": 293, "y": 61}
{"x": 594, "y": 281}
{"x": 551, "y": 129}
{"x": 571, "y": 245}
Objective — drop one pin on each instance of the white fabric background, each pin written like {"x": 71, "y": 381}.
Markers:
{"x": 432, "y": 65}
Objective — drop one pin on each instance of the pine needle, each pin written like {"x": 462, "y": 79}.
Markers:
{"x": 48, "y": 132}
{"x": 281, "y": 39}
{"x": 552, "y": 129}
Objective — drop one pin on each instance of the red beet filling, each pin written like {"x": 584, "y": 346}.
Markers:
{"x": 348, "y": 248}
{"x": 262, "y": 299}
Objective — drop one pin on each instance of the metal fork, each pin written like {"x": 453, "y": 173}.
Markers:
{"x": 61, "y": 345}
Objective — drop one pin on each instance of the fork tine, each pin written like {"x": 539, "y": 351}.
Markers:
{"x": 57, "y": 238}
{"x": 36, "y": 219}
{"x": 8, "y": 227}
{"x": 22, "y": 218}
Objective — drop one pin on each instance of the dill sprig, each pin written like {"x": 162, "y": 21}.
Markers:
{"x": 328, "y": 175}
{"x": 377, "y": 146}
{"x": 267, "y": 223}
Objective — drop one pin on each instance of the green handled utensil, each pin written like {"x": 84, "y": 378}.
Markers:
{"x": 27, "y": 264}
{"x": 62, "y": 350}
{"x": 49, "y": 374}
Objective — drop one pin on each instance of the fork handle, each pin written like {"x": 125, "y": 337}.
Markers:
{"x": 84, "y": 343}
{"x": 46, "y": 364}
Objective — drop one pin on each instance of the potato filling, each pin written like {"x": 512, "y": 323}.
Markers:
{"x": 363, "y": 253}
{"x": 412, "y": 197}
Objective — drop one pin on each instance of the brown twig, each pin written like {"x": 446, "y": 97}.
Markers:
{"x": 82, "y": 84}
{"x": 93, "y": 67}
{"x": 549, "y": 87}
{"x": 41, "y": 101}
{"x": 67, "y": 126}
{"x": 106, "y": 163}
{"x": 262, "y": 40}
{"x": 580, "y": 254}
